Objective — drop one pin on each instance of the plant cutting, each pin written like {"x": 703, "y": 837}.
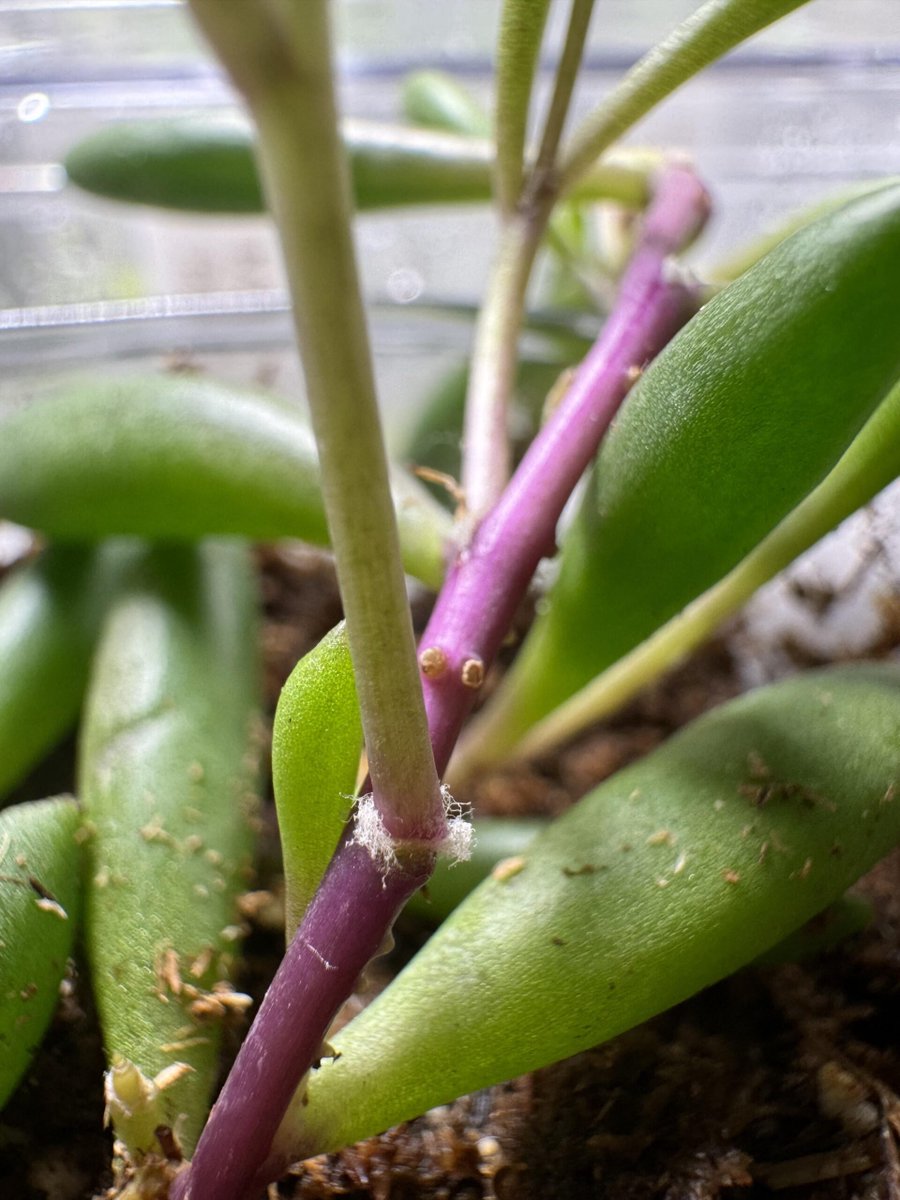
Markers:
{"x": 670, "y": 876}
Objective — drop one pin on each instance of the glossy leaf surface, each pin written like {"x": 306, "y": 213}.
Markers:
{"x": 669, "y": 876}
{"x": 732, "y": 425}
{"x": 40, "y": 885}
{"x": 316, "y": 744}
{"x": 167, "y": 778}
{"x": 181, "y": 457}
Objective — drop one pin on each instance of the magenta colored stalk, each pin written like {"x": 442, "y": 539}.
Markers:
{"x": 342, "y": 931}
{"x": 490, "y": 575}
{"x": 357, "y": 901}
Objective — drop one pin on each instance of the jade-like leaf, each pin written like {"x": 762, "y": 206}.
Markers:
{"x": 738, "y": 419}
{"x": 316, "y": 742}
{"x": 871, "y": 462}
{"x": 669, "y": 876}
{"x": 166, "y": 777}
{"x": 40, "y": 874}
{"x": 207, "y": 164}
{"x": 50, "y": 612}
{"x": 181, "y": 457}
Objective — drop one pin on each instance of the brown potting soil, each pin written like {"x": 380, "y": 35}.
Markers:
{"x": 783, "y": 1080}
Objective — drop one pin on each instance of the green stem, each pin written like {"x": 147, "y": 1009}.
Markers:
{"x": 281, "y": 58}
{"x": 870, "y": 464}
{"x": 486, "y": 453}
{"x": 714, "y": 29}
{"x": 519, "y": 44}
{"x": 525, "y": 212}
{"x": 566, "y": 75}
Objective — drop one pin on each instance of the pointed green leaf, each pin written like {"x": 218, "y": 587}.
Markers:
{"x": 316, "y": 742}
{"x": 733, "y": 424}
{"x": 181, "y": 457}
{"x": 871, "y": 462}
{"x": 167, "y": 768}
{"x": 669, "y": 876}
{"x": 40, "y": 878}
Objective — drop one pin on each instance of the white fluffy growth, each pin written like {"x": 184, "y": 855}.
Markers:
{"x": 460, "y": 839}
{"x": 370, "y": 832}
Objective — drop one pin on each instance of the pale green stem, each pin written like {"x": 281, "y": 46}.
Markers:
{"x": 486, "y": 453}
{"x": 714, "y": 29}
{"x": 564, "y": 85}
{"x": 279, "y": 54}
{"x": 518, "y": 47}
{"x": 870, "y": 464}
{"x": 525, "y": 213}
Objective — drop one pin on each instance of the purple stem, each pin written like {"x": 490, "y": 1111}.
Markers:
{"x": 342, "y": 931}
{"x": 358, "y": 900}
{"x": 489, "y": 577}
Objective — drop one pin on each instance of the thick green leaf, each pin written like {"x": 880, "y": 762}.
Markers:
{"x": 733, "y": 424}
{"x": 50, "y": 612}
{"x": 166, "y": 777}
{"x": 871, "y": 462}
{"x": 181, "y": 457}
{"x": 207, "y": 164}
{"x": 316, "y": 741}
{"x": 39, "y": 902}
{"x": 667, "y": 877}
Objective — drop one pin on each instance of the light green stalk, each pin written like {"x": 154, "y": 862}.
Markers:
{"x": 486, "y": 451}
{"x": 566, "y": 75}
{"x": 279, "y": 54}
{"x": 714, "y": 29}
{"x": 525, "y": 201}
{"x": 518, "y": 47}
